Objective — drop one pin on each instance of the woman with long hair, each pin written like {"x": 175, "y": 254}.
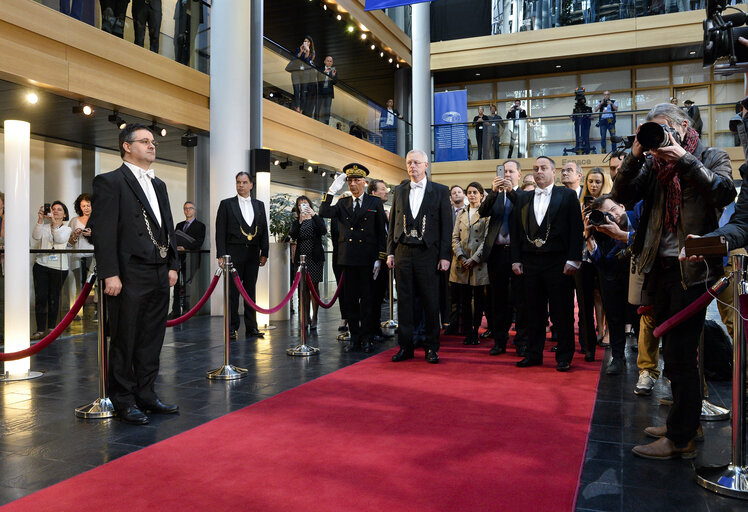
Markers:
{"x": 307, "y": 232}
{"x": 300, "y": 77}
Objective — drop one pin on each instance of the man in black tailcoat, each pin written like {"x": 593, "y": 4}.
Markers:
{"x": 136, "y": 257}
{"x": 418, "y": 248}
{"x": 547, "y": 240}
{"x": 242, "y": 233}
{"x": 361, "y": 242}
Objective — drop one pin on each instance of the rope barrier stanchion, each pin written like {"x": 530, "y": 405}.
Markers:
{"x": 226, "y": 371}
{"x": 391, "y": 324}
{"x": 102, "y": 407}
{"x": 303, "y": 349}
{"x": 732, "y": 479}
{"x": 709, "y": 411}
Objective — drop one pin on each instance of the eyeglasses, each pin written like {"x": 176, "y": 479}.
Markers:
{"x": 146, "y": 142}
{"x": 189, "y": 207}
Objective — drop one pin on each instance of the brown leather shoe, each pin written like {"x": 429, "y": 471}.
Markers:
{"x": 664, "y": 449}
{"x": 658, "y": 432}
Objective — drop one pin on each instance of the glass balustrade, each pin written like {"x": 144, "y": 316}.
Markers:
{"x": 561, "y": 135}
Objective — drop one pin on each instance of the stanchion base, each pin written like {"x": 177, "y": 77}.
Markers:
{"x": 100, "y": 408}
{"x": 726, "y": 480}
{"x": 346, "y": 336}
{"x": 268, "y": 327}
{"x": 711, "y": 412}
{"x": 7, "y": 377}
{"x": 302, "y": 350}
{"x": 389, "y": 324}
{"x": 227, "y": 372}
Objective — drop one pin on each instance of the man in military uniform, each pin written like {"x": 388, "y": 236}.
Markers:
{"x": 361, "y": 244}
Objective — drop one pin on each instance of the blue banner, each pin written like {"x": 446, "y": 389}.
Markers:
{"x": 450, "y": 130}
{"x": 372, "y": 5}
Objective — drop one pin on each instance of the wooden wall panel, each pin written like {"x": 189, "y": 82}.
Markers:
{"x": 33, "y": 59}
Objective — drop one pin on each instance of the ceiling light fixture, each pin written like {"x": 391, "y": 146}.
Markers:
{"x": 117, "y": 120}
{"x": 381, "y": 54}
{"x": 285, "y": 164}
{"x": 84, "y": 109}
{"x": 276, "y": 161}
{"x": 309, "y": 169}
{"x": 155, "y": 129}
{"x": 363, "y": 36}
{"x": 339, "y": 17}
{"x": 373, "y": 47}
{"x": 32, "y": 98}
{"x": 350, "y": 28}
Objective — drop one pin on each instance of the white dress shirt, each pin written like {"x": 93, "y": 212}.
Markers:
{"x": 144, "y": 177}
{"x": 245, "y": 205}
{"x": 541, "y": 202}
{"x": 417, "y": 190}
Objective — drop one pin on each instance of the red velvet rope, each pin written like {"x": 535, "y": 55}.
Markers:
{"x": 240, "y": 287}
{"x": 192, "y": 312}
{"x": 645, "y": 310}
{"x": 52, "y": 336}
{"x": 690, "y": 310}
{"x": 324, "y": 305}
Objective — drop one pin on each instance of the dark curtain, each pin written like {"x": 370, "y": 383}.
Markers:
{"x": 458, "y": 19}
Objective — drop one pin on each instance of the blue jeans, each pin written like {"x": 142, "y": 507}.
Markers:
{"x": 582, "y": 134}
{"x": 607, "y": 126}
{"x": 73, "y": 8}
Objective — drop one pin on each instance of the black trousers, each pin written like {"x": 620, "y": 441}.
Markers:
{"x": 147, "y": 12}
{"x": 500, "y": 309}
{"x": 246, "y": 261}
{"x": 113, "y": 16}
{"x": 472, "y": 299}
{"x": 584, "y": 282}
{"x": 479, "y": 141}
{"x": 679, "y": 349}
{"x": 417, "y": 276}
{"x": 547, "y": 288}
{"x": 137, "y": 322}
{"x": 615, "y": 300}
{"x": 47, "y": 286}
{"x": 358, "y": 302}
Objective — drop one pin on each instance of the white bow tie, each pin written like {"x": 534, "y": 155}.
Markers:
{"x": 420, "y": 184}
{"x": 147, "y": 174}
{"x": 542, "y": 191}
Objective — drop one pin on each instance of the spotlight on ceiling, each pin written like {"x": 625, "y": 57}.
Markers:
{"x": 309, "y": 169}
{"x": 155, "y": 129}
{"x": 381, "y": 54}
{"x": 397, "y": 65}
{"x": 363, "y": 36}
{"x": 339, "y": 17}
{"x": 324, "y": 173}
{"x": 189, "y": 139}
{"x": 117, "y": 120}
{"x": 84, "y": 109}
{"x": 285, "y": 164}
{"x": 276, "y": 162}
{"x": 350, "y": 28}
{"x": 271, "y": 94}
{"x": 390, "y": 60}
{"x": 373, "y": 47}
{"x": 32, "y": 98}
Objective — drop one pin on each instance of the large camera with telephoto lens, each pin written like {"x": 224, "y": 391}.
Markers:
{"x": 598, "y": 218}
{"x": 721, "y": 38}
{"x": 580, "y": 100}
{"x": 653, "y": 135}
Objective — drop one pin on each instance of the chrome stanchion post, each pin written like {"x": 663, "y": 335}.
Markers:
{"x": 732, "y": 479}
{"x": 391, "y": 324}
{"x": 302, "y": 349}
{"x": 101, "y": 407}
{"x": 227, "y": 371}
{"x": 709, "y": 411}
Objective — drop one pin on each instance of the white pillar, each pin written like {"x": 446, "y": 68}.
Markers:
{"x": 17, "y": 233}
{"x": 229, "y": 105}
{"x": 421, "y": 97}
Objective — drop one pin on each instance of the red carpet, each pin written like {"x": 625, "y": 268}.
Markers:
{"x": 473, "y": 433}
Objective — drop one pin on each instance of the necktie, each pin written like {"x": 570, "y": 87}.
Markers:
{"x": 505, "y": 221}
{"x": 356, "y": 205}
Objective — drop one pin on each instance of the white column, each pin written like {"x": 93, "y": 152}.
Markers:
{"x": 421, "y": 97}
{"x": 229, "y": 105}
{"x": 17, "y": 233}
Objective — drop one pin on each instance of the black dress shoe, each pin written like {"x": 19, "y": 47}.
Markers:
{"x": 402, "y": 355}
{"x": 496, "y": 350}
{"x": 527, "y": 361}
{"x": 432, "y": 357}
{"x": 563, "y": 367}
{"x": 158, "y": 407}
{"x": 233, "y": 335}
{"x": 487, "y": 334}
{"x": 589, "y": 356}
{"x": 554, "y": 348}
{"x": 367, "y": 347}
{"x": 133, "y": 415}
{"x": 255, "y": 333}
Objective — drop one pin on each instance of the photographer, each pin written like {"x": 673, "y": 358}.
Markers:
{"x": 582, "y": 117}
{"x": 607, "y": 122}
{"x": 515, "y": 114}
{"x": 679, "y": 171}
{"x": 607, "y": 230}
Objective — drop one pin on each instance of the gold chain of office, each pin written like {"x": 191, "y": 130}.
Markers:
{"x": 162, "y": 250}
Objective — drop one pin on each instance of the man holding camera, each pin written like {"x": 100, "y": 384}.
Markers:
{"x": 678, "y": 171}
{"x": 515, "y": 114}
{"x": 607, "y": 122}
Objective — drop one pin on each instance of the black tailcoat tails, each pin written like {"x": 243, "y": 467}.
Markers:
{"x": 245, "y": 251}
{"x": 123, "y": 247}
{"x": 545, "y": 284}
{"x": 361, "y": 242}
{"x": 416, "y": 259}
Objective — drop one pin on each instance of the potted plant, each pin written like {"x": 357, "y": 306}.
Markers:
{"x": 281, "y": 216}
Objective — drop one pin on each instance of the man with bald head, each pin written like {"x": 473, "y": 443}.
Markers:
{"x": 419, "y": 249}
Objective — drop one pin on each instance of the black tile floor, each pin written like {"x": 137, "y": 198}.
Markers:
{"x": 42, "y": 442}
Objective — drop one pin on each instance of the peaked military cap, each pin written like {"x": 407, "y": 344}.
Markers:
{"x": 355, "y": 170}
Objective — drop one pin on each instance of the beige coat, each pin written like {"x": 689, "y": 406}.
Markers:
{"x": 468, "y": 237}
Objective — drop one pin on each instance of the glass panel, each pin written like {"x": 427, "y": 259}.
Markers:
{"x": 599, "y": 82}
{"x": 649, "y": 77}
{"x": 551, "y": 107}
{"x": 553, "y": 130}
{"x": 699, "y": 95}
{"x": 480, "y": 92}
{"x": 721, "y": 119}
{"x": 706, "y": 116}
{"x": 552, "y": 85}
{"x": 728, "y": 92}
{"x": 726, "y": 140}
{"x": 648, "y": 99}
{"x": 690, "y": 73}
{"x": 512, "y": 89}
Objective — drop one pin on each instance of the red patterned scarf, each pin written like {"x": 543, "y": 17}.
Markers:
{"x": 668, "y": 177}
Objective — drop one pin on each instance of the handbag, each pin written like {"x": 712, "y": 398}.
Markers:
{"x": 295, "y": 64}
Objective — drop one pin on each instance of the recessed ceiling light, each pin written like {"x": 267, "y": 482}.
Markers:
{"x": 558, "y": 66}
{"x": 477, "y": 74}
{"x": 351, "y": 28}
{"x": 32, "y": 98}
{"x": 363, "y": 36}
{"x": 381, "y": 54}
{"x": 390, "y": 60}
{"x": 373, "y": 47}
{"x": 692, "y": 53}
{"x": 339, "y": 17}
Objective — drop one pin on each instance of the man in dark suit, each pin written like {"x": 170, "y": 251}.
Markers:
{"x": 136, "y": 257}
{"x": 498, "y": 205}
{"x": 514, "y": 115}
{"x": 361, "y": 243}
{"x": 693, "y": 112}
{"x": 190, "y": 236}
{"x": 547, "y": 234}
{"x": 242, "y": 233}
{"x": 326, "y": 88}
{"x": 418, "y": 248}
{"x": 378, "y": 188}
